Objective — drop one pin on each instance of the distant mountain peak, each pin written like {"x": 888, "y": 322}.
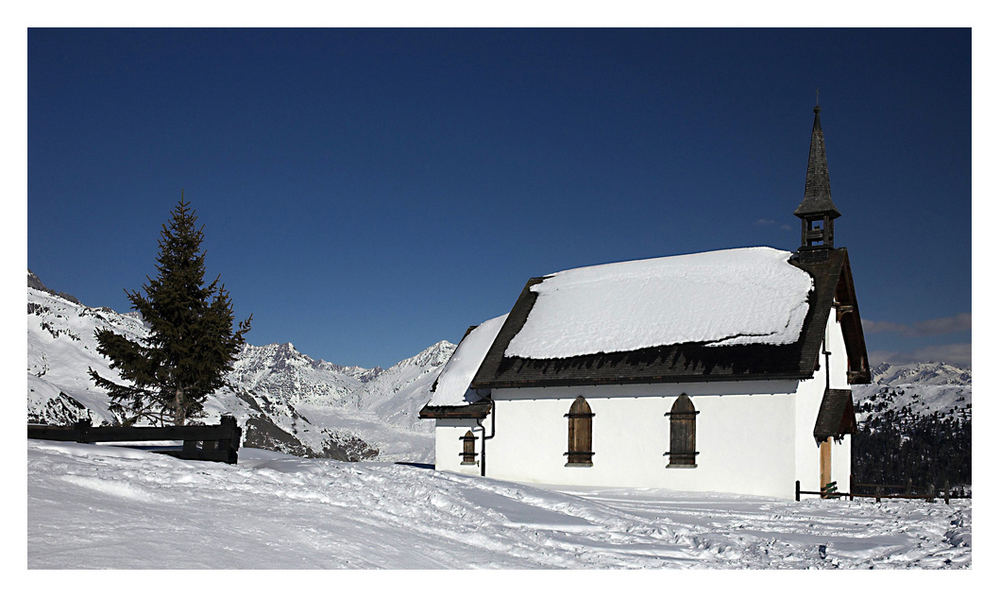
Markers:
{"x": 433, "y": 356}
{"x": 36, "y": 283}
{"x": 929, "y": 372}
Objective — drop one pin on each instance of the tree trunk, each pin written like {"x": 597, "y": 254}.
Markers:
{"x": 179, "y": 407}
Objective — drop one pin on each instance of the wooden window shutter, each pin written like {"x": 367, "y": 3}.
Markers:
{"x": 468, "y": 453}
{"x": 580, "y": 417}
{"x": 682, "y": 433}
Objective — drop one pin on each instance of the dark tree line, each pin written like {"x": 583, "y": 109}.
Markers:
{"x": 897, "y": 447}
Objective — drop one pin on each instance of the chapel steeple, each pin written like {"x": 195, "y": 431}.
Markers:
{"x": 817, "y": 210}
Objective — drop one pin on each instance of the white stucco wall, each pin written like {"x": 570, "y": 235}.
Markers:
{"x": 743, "y": 436}
{"x": 807, "y": 403}
{"x": 448, "y": 435}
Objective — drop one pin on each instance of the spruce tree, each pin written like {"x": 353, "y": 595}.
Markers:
{"x": 191, "y": 344}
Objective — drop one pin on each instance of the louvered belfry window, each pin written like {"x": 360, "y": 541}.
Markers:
{"x": 580, "y": 417}
{"x": 682, "y": 433}
{"x": 468, "y": 453}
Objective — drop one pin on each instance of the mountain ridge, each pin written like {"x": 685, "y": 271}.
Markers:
{"x": 285, "y": 399}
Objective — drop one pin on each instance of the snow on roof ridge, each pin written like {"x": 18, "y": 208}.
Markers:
{"x": 739, "y": 296}
{"x": 453, "y": 382}
{"x": 668, "y": 257}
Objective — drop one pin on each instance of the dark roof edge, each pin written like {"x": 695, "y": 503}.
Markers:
{"x": 859, "y": 370}
{"x": 833, "y": 284}
{"x": 477, "y": 410}
{"x": 824, "y": 267}
{"x": 690, "y": 378}
{"x": 511, "y": 326}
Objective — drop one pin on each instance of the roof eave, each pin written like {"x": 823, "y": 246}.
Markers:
{"x": 477, "y": 410}
{"x": 620, "y": 380}
{"x": 806, "y": 210}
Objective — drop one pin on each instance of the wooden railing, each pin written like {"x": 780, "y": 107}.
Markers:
{"x": 881, "y": 491}
{"x": 203, "y": 443}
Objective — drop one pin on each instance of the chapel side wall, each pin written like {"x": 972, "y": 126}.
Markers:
{"x": 744, "y": 436}
{"x": 807, "y": 403}
{"x": 448, "y": 444}
{"x": 841, "y": 452}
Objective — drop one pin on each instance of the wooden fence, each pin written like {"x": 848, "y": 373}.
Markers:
{"x": 203, "y": 443}
{"x": 884, "y": 491}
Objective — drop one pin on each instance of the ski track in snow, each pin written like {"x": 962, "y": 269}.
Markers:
{"x": 107, "y": 507}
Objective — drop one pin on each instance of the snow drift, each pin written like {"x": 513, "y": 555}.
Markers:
{"x": 101, "y": 507}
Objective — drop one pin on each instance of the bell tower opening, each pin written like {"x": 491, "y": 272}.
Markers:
{"x": 817, "y": 231}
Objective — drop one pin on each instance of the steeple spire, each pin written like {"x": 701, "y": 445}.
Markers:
{"x": 817, "y": 210}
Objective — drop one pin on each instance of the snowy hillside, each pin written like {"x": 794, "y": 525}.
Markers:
{"x": 284, "y": 399}
{"x": 920, "y": 388}
{"x": 921, "y": 373}
{"x": 94, "y": 507}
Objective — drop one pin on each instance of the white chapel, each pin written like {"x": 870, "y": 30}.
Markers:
{"x": 723, "y": 371}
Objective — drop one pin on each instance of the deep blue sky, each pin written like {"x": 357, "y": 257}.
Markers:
{"x": 366, "y": 193}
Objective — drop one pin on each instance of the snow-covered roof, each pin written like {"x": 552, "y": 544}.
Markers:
{"x": 453, "y": 383}
{"x": 719, "y": 298}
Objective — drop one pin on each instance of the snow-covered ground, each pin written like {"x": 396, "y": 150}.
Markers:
{"x": 106, "y": 507}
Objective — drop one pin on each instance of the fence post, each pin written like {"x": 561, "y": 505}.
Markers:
{"x": 878, "y": 493}
{"x": 82, "y": 426}
{"x": 947, "y": 492}
{"x": 798, "y": 491}
{"x": 232, "y": 437}
{"x": 192, "y": 449}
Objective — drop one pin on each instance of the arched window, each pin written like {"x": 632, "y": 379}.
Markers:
{"x": 468, "y": 453}
{"x": 682, "y": 433}
{"x": 579, "y": 415}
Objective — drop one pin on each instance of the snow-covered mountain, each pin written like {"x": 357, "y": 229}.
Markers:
{"x": 284, "y": 399}
{"x": 929, "y": 373}
{"x": 922, "y": 388}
